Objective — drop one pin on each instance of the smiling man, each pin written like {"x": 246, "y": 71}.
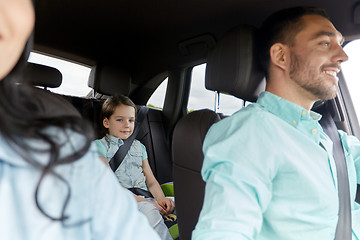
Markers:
{"x": 269, "y": 169}
{"x": 303, "y": 69}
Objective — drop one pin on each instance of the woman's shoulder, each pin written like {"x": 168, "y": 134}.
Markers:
{"x": 69, "y": 141}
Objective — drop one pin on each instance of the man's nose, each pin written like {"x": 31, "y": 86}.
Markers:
{"x": 340, "y": 55}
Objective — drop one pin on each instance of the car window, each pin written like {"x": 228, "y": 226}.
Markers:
{"x": 157, "y": 98}
{"x": 201, "y": 98}
{"x": 75, "y": 76}
{"x": 350, "y": 71}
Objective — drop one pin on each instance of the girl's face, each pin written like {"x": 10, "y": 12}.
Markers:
{"x": 121, "y": 123}
{"x": 17, "y": 20}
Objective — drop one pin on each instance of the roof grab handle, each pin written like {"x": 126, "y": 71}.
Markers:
{"x": 357, "y": 13}
{"x": 203, "y": 41}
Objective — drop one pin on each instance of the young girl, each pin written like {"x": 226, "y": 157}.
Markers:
{"x": 118, "y": 116}
{"x": 51, "y": 185}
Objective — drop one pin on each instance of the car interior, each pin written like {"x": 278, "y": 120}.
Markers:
{"x": 133, "y": 46}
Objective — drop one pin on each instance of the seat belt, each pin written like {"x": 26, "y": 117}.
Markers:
{"x": 120, "y": 154}
{"x": 343, "y": 228}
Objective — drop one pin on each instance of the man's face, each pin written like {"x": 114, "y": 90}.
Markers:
{"x": 316, "y": 57}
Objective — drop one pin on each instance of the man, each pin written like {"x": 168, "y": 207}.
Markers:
{"x": 269, "y": 168}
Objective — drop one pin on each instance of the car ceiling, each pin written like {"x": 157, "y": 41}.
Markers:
{"x": 144, "y": 35}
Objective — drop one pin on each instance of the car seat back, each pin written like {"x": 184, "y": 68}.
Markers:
{"x": 187, "y": 153}
{"x": 113, "y": 80}
{"x": 231, "y": 68}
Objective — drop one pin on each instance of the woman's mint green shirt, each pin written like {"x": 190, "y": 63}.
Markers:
{"x": 270, "y": 174}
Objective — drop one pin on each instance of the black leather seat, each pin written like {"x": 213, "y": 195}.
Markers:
{"x": 39, "y": 75}
{"x": 110, "y": 80}
{"x": 42, "y": 76}
{"x": 187, "y": 153}
{"x": 231, "y": 68}
{"x": 105, "y": 80}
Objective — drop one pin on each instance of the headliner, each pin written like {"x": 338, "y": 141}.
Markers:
{"x": 144, "y": 34}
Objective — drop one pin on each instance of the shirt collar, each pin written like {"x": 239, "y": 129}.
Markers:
{"x": 114, "y": 140}
{"x": 298, "y": 117}
{"x": 285, "y": 109}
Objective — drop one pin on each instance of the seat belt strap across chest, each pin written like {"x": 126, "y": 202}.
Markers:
{"x": 120, "y": 154}
{"x": 343, "y": 228}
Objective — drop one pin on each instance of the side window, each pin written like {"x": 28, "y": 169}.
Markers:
{"x": 75, "y": 76}
{"x": 350, "y": 71}
{"x": 201, "y": 98}
{"x": 157, "y": 98}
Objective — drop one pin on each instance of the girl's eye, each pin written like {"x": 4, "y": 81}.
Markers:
{"x": 131, "y": 121}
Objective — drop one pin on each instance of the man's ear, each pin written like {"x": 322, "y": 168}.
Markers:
{"x": 106, "y": 122}
{"x": 279, "y": 55}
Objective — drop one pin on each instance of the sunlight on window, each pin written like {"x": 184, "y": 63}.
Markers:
{"x": 350, "y": 71}
{"x": 201, "y": 98}
{"x": 75, "y": 76}
{"x": 157, "y": 98}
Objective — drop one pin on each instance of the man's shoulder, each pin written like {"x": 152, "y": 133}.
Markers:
{"x": 252, "y": 115}
{"x": 349, "y": 142}
{"x": 247, "y": 121}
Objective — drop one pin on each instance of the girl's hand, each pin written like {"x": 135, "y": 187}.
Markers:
{"x": 167, "y": 204}
{"x": 141, "y": 199}
{"x": 161, "y": 209}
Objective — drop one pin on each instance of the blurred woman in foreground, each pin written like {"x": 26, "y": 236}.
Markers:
{"x": 52, "y": 184}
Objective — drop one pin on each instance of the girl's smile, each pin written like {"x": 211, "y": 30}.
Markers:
{"x": 122, "y": 122}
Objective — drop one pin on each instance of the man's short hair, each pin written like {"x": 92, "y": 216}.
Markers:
{"x": 282, "y": 27}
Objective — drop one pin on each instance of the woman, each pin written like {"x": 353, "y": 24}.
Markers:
{"x": 52, "y": 185}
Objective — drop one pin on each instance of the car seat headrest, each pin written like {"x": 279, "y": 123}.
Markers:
{"x": 109, "y": 80}
{"x": 43, "y": 76}
{"x": 232, "y": 66}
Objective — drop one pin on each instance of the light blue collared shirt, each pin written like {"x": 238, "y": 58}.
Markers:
{"x": 130, "y": 172}
{"x": 95, "y": 196}
{"x": 270, "y": 175}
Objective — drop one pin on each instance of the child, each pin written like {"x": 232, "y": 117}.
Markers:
{"x": 118, "y": 116}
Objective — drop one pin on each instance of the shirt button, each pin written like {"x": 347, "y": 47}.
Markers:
{"x": 314, "y": 131}
{"x": 303, "y": 113}
{"x": 294, "y": 122}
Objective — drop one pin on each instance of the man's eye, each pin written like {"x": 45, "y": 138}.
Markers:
{"x": 119, "y": 120}
{"x": 325, "y": 43}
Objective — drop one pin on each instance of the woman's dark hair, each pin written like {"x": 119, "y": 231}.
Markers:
{"x": 109, "y": 106}
{"x": 23, "y": 118}
{"x": 282, "y": 27}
